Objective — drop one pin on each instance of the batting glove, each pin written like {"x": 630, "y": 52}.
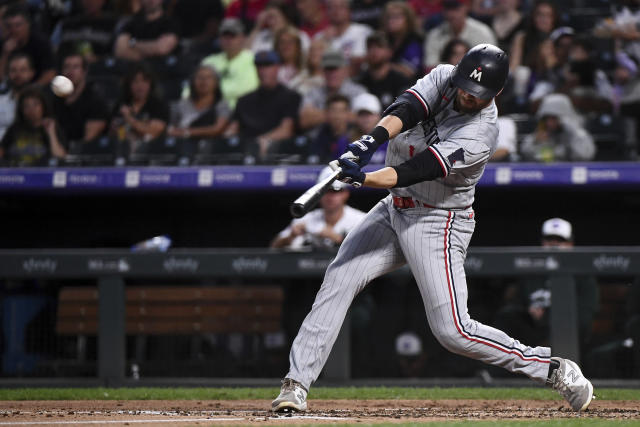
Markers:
{"x": 361, "y": 149}
{"x": 351, "y": 173}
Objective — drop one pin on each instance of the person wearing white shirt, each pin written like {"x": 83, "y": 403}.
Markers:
{"x": 457, "y": 25}
{"x": 325, "y": 227}
{"x": 345, "y": 36}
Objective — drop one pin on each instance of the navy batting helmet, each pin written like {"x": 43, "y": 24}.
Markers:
{"x": 482, "y": 71}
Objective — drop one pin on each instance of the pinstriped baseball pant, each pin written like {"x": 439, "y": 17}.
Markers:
{"x": 433, "y": 242}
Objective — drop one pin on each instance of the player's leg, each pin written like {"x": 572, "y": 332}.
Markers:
{"x": 368, "y": 251}
{"x": 435, "y": 245}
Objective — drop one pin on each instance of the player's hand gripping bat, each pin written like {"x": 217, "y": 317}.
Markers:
{"x": 310, "y": 198}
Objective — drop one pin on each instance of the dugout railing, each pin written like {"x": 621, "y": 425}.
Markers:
{"x": 110, "y": 267}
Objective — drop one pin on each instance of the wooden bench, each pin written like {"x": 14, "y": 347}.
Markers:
{"x": 175, "y": 310}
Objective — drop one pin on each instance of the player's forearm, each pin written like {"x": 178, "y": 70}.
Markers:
{"x": 392, "y": 124}
{"x": 382, "y": 178}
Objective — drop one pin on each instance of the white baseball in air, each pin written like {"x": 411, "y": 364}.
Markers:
{"x": 61, "y": 86}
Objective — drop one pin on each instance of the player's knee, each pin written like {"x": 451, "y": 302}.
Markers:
{"x": 451, "y": 339}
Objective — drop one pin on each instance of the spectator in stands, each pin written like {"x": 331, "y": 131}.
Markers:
{"x": 554, "y": 60}
{"x": 526, "y": 44}
{"x": 345, "y": 36}
{"x": 323, "y": 228}
{"x": 402, "y": 29}
{"x": 333, "y": 136}
{"x": 89, "y": 33}
{"x": 150, "y": 33}
{"x": 528, "y": 309}
{"x": 457, "y": 25}
{"x": 559, "y": 135}
{"x": 312, "y": 77}
{"x": 368, "y": 112}
{"x": 34, "y": 137}
{"x": 288, "y": 45}
{"x": 204, "y": 114}
{"x": 198, "y": 20}
{"x": 336, "y": 75}
{"x": 507, "y": 144}
{"x": 266, "y": 117}
{"x": 246, "y": 11}
{"x": 626, "y": 101}
{"x": 83, "y": 114}
{"x": 624, "y": 27}
{"x": 507, "y": 22}
{"x": 270, "y": 21}
{"x": 380, "y": 78}
{"x": 453, "y": 52}
{"x": 428, "y": 11}
{"x": 313, "y": 16}
{"x": 586, "y": 84}
{"x": 141, "y": 117}
{"x": 22, "y": 37}
{"x": 20, "y": 74}
{"x": 367, "y": 12}
{"x": 234, "y": 65}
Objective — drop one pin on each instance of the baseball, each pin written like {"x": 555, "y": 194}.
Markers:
{"x": 61, "y": 86}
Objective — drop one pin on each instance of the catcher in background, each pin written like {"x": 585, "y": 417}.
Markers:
{"x": 443, "y": 131}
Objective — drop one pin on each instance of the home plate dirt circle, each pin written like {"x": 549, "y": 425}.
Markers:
{"x": 204, "y": 412}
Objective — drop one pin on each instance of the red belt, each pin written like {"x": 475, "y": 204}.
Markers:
{"x": 408, "y": 202}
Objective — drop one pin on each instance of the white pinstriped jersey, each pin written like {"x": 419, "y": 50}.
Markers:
{"x": 462, "y": 143}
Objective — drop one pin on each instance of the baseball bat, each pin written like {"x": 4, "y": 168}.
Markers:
{"x": 308, "y": 200}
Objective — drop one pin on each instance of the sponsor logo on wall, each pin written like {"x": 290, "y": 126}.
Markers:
{"x": 174, "y": 264}
{"x": 243, "y": 264}
{"x": 40, "y": 265}
{"x": 617, "y": 262}
{"x": 109, "y": 265}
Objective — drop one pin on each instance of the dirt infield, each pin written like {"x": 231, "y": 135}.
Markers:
{"x": 190, "y": 413}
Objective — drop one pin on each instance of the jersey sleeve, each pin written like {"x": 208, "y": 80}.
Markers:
{"x": 465, "y": 149}
{"x": 430, "y": 89}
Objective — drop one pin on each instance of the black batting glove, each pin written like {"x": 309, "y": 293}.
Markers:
{"x": 351, "y": 173}
{"x": 362, "y": 149}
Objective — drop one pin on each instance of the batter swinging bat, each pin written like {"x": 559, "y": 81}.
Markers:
{"x": 308, "y": 200}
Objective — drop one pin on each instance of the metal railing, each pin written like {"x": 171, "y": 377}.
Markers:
{"x": 111, "y": 266}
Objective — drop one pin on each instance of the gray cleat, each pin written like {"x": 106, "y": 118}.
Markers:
{"x": 568, "y": 380}
{"x": 292, "y": 397}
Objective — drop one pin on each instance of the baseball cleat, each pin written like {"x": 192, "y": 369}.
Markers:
{"x": 292, "y": 397}
{"x": 567, "y": 379}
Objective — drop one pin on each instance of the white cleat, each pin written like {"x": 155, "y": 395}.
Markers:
{"x": 568, "y": 380}
{"x": 292, "y": 397}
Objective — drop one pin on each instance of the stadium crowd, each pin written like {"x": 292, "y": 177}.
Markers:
{"x": 168, "y": 82}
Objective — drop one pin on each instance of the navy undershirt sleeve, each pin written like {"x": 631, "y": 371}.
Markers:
{"x": 422, "y": 167}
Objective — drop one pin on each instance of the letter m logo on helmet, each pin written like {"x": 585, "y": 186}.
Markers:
{"x": 476, "y": 74}
{"x": 482, "y": 71}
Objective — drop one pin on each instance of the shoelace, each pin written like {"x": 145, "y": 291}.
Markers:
{"x": 560, "y": 384}
{"x": 288, "y": 384}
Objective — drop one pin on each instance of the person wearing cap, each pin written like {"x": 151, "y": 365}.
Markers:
{"x": 526, "y": 312}
{"x": 325, "y": 227}
{"x": 266, "y": 117}
{"x": 559, "y": 135}
{"x": 457, "y": 24}
{"x": 334, "y": 135}
{"x": 345, "y": 36}
{"x": 368, "y": 112}
{"x": 234, "y": 65}
{"x": 336, "y": 81}
{"x": 150, "y": 33}
{"x": 554, "y": 57}
{"x": 379, "y": 77}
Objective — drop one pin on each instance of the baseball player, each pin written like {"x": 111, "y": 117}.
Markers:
{"x": 442, "y": 131}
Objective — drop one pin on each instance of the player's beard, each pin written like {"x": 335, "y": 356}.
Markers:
{"x": 469, "y": 105}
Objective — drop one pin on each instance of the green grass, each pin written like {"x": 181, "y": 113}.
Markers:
{"x": 571, "y": 422}
{"x": 267, "y": 393}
